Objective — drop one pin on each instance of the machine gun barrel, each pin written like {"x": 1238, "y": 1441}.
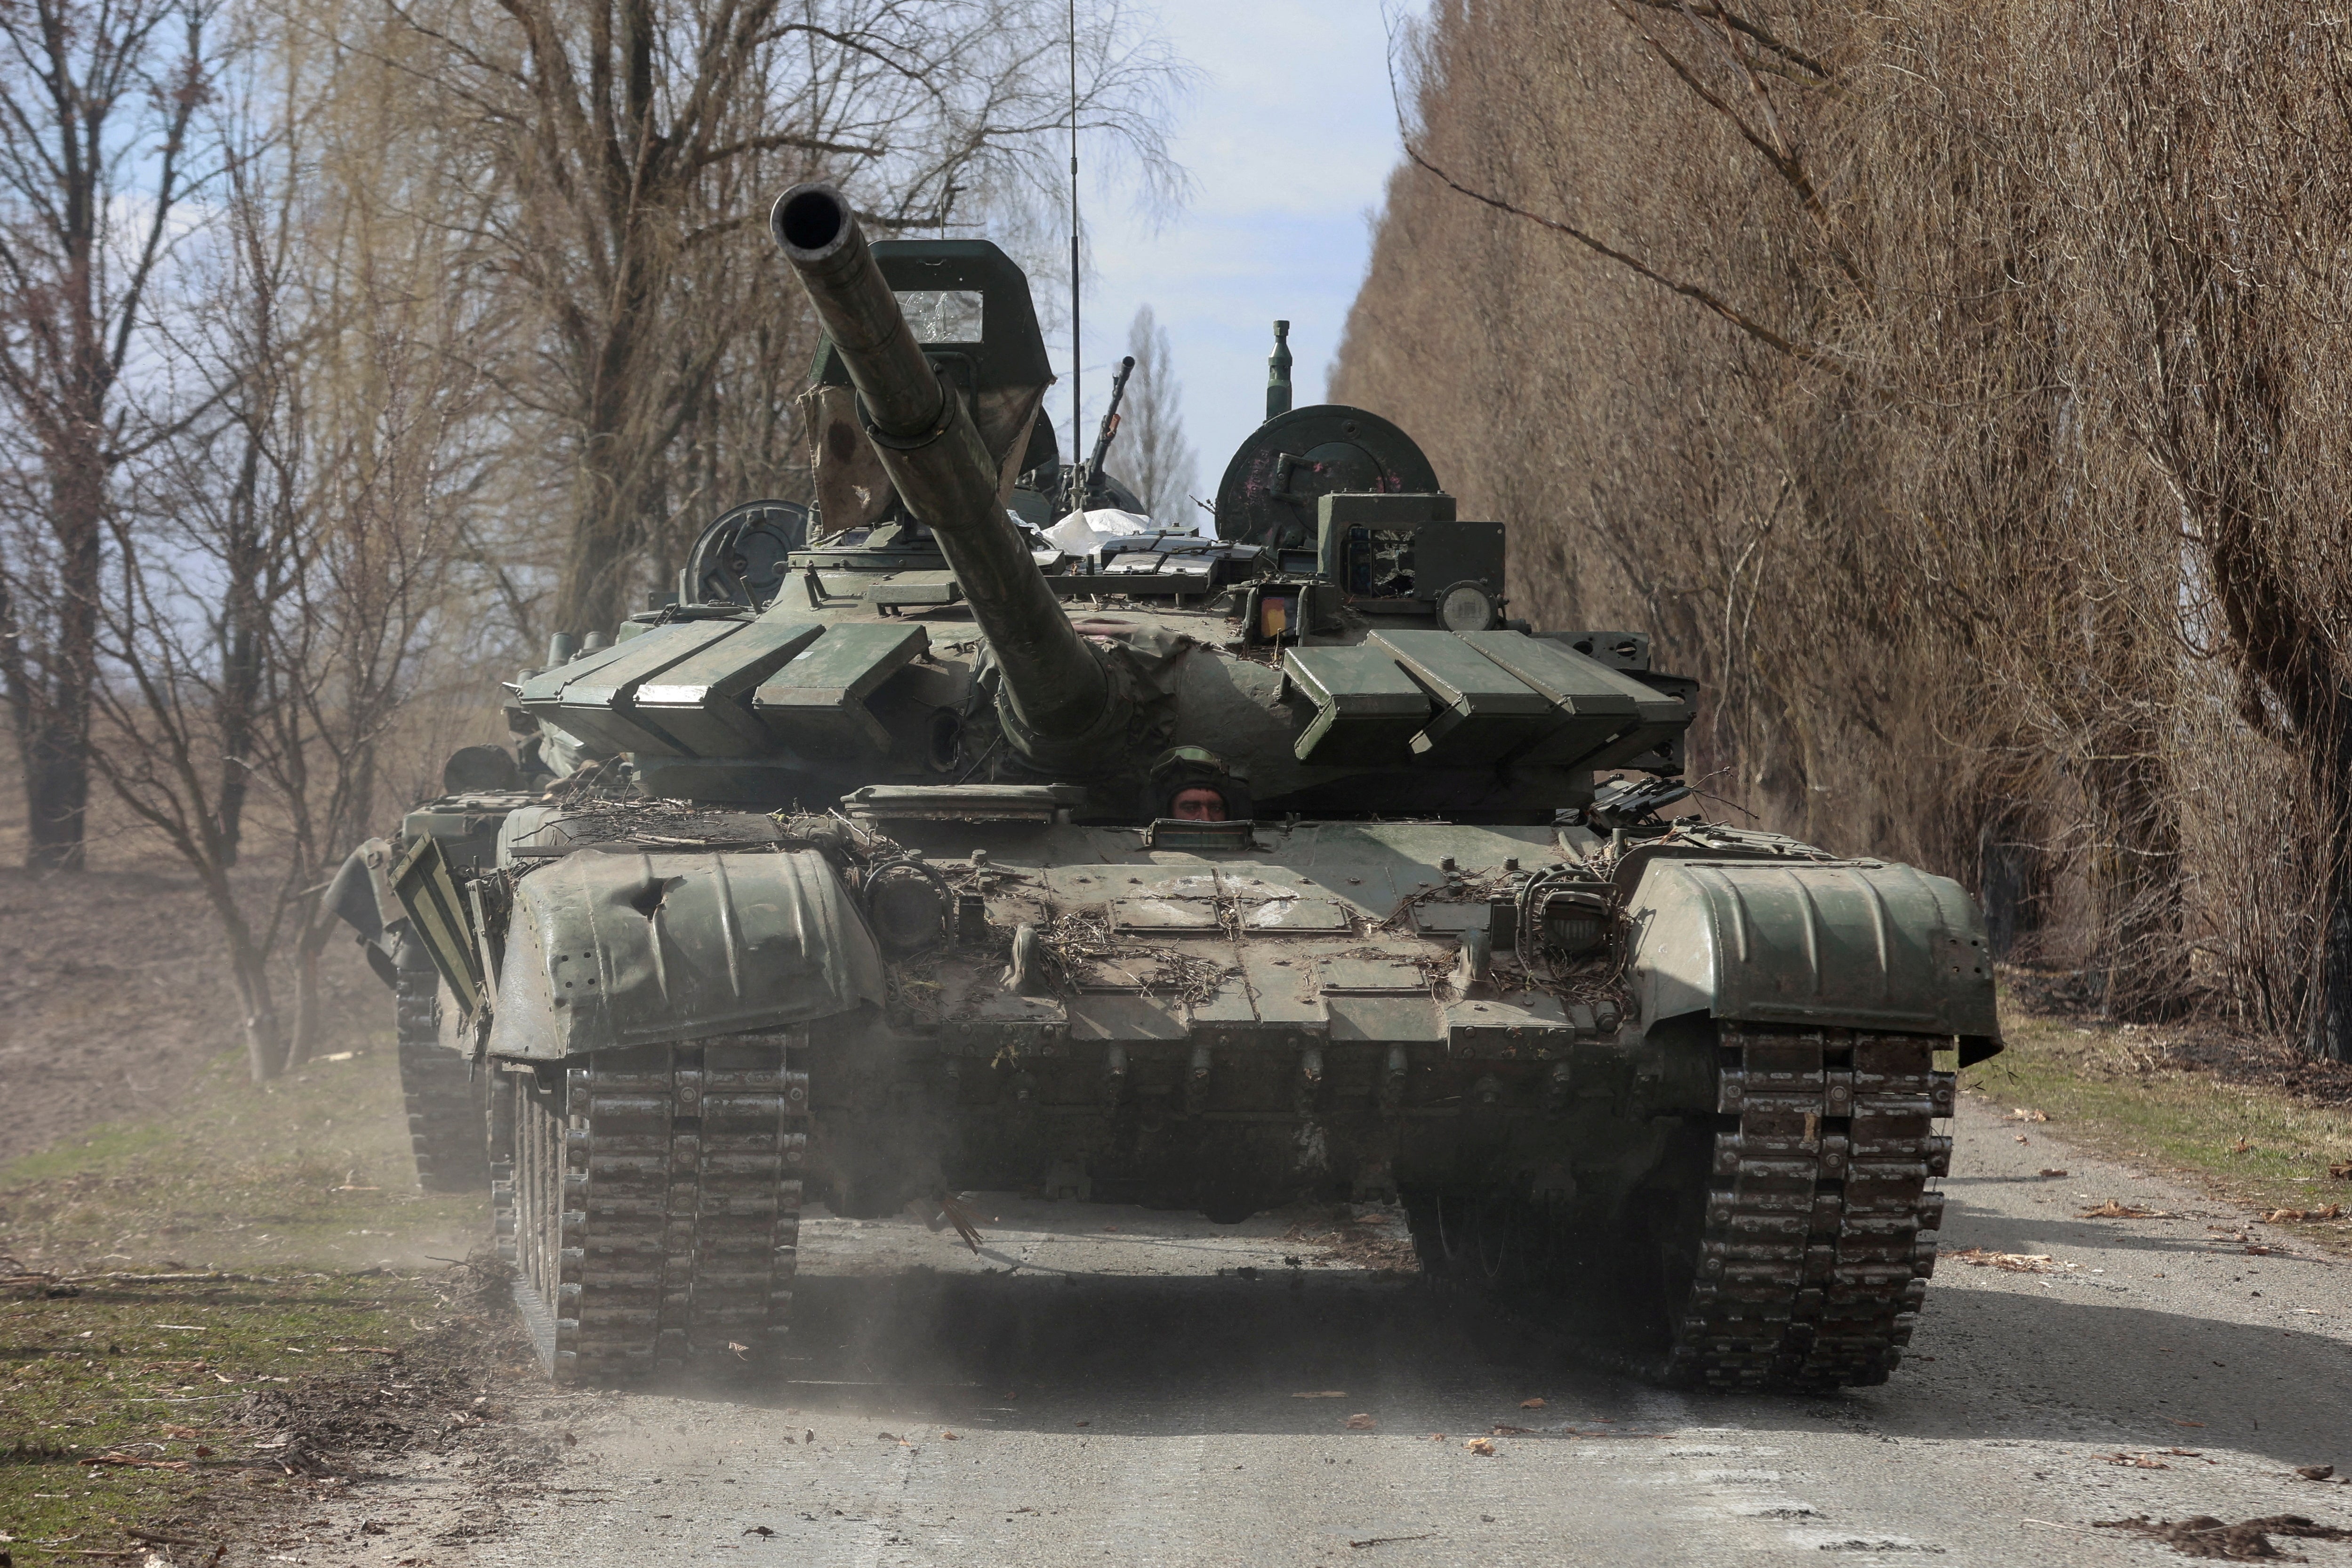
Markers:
{"x": 1083, "y": 482}
{"x": 1054, "y": 680}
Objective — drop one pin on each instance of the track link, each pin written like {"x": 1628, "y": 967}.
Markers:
{"x": 1818, "y": 1235}
{"x": 655, "y": 1203}
{"x": 443, "y": 1093}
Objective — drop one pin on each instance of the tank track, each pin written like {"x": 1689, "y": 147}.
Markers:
{"x": 443, "y": 1093}
{"x": 1818, "y": 1231}
{"x": 655, "y": 1203}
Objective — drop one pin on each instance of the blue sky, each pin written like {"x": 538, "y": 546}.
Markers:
{"x": 1290, "y": 140}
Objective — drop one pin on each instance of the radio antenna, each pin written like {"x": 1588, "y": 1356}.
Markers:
{"x": 1078, "y": 402}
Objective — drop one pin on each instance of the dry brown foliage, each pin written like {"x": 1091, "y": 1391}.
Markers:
{"x": 1957, "y": 389}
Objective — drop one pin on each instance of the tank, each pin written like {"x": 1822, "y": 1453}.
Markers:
{"x": 899, "y": 855}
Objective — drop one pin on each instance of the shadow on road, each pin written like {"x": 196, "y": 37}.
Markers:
{"x": 1228, "y": 1355}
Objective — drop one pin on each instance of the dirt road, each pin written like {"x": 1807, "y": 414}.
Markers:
{"x": 1134, "y": 1396}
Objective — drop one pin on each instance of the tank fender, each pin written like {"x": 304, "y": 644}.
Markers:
{"x": 1859, "y": 944}
{"x": 361, "y": 896}
{"x": 626, "y": 947}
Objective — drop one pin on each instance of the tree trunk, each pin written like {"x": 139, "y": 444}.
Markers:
{"x": 55, "y": 740}
{"x": 242, "y": 628}
{"x": 2135, "y": 875}
{"x": 2009, "y": 883}
{"x": 309, "y": 1002}
{"x": 603, "y": 543}
{"x": 265, "y": 1042}
{"x": 56, "y": 789}
{"x": 265, "y": 1036}
{"x": 2330, "y": 1034}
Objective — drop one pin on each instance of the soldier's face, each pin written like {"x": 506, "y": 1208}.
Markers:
{"x": 1199, "y": 804}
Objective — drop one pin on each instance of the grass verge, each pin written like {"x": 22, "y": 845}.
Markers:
{"x": 313, "y": 1171}
{"x": 162, "y": 1282}
{"x": 125, "y": 1401}
{"x": 2214, "y": 1112}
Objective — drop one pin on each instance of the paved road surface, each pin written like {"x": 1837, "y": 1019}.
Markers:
{"x": 1123, "y": 1396}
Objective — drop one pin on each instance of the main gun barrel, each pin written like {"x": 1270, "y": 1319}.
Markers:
{"x": 1054, "y": 680}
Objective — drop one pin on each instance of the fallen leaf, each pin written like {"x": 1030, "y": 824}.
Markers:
{"x": 2342, "y": 1172}
{"x": 2015, "y": 1262}
{"x": 2202, "y": 1535}
{"x": 1323, "y": 1393}
{"x": 1481, "y": 1445}
{"x": 894, "y": 1437}
{"x": 1360, "y": 1422}
{"x": 2021, "y": 1114}
{"x": 1531, "y": 1404}
{"x": 1499, "y": 1430}
{"x": 2298, "y": 1217}
{"x": 738, "y": 1349}
{"x": 2136, "y": 1461}
{"x": 2111, "y": 1209}
{"x": 2315, "y": 1472}
{"x": 157, "y": 1538}
{"x": 759, "y": 1530}
{"x": 2179, "y": 1422}
{"x": 2242, "y": 1147}
{"x": 2023, "y": 1139}
{"x": 130, "y": 1462}
{"x": 950, "y": 1438}
{"x": 1086, "y": 1423}
{"x": 2186, "y": 1453}
{"x": 2048, "y": 1171}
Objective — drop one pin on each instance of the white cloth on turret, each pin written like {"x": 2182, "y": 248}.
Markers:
{"x": 1085, "y": 533}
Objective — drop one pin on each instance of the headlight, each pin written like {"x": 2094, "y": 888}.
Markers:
{"x": 1468, "y": 607}
{"x": 1576, "y": 921}
{"x": 906, "y": 905}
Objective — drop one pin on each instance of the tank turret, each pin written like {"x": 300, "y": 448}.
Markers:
{"x": 1056, "y": 693}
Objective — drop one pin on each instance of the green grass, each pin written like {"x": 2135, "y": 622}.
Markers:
{"x": 98, "y": 1374}
{"x": 306, "y": 1184}
{"x": 313, "y": 1171}
{"x": 2119, "y": 1091}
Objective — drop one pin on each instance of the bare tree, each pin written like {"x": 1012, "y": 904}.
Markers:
{"x": 635, "y": 147}
{"x": 96, "y": 98}
{"x": 275, "y": 566}
{"x": 1957, "y": 388}
{"x": 1160, "y": 464}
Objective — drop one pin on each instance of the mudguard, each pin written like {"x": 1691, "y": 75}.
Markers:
{"x": 1856, "y": 944}
{"x": 607, "y": 949}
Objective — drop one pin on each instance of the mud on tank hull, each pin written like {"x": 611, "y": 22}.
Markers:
{"x": 1319, "y": 1015}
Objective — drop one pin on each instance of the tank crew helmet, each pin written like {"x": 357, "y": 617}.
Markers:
{"x": 1194, "y": 784}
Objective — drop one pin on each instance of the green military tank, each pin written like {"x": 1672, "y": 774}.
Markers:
{"x": 904, "y": 853}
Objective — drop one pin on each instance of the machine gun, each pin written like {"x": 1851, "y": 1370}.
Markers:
{"x": 1086, "y": 479}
